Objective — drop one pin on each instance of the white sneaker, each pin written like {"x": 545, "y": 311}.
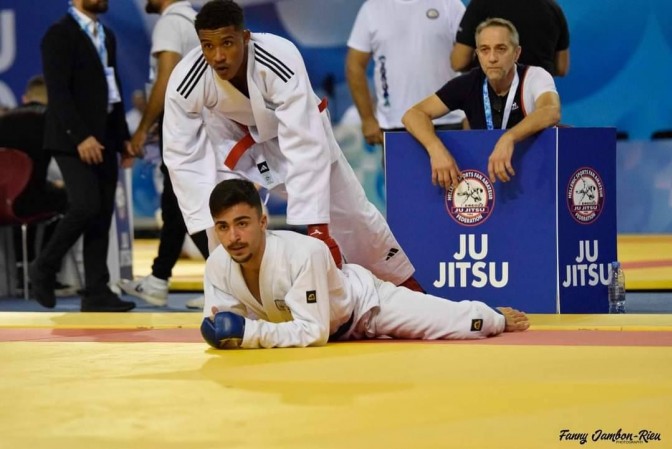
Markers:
{"x": 150, "y": 288}
{"x": 196, "y": 303}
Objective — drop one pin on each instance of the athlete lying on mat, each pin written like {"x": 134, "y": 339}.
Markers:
{"x": 281, "y": 288}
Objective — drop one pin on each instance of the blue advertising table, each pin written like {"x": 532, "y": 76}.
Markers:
{"x": 541, "y": 242}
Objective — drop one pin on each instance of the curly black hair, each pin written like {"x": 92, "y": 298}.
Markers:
{"x": 217, "y": 14}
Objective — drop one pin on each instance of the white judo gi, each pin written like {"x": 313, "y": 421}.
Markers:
{"x": 290, "y": 149}
{"x": 306, "y": 299}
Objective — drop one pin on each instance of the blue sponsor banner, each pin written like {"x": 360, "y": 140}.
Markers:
{"x": 586, "y": 217}
{"x": 497, "y": 243}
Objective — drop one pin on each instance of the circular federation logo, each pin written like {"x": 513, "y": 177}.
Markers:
{"x": 585, "y": 195}
{"x": 473, "y": 201}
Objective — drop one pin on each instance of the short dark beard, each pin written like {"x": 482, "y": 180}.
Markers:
{"x": 242, "y": 260}
{"x": 150, "y": 8}
{"x": 97, "y": 8}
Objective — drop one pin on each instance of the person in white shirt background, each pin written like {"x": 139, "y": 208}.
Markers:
{"x": 173, "y": 36}
{"x": 410, "y": 42}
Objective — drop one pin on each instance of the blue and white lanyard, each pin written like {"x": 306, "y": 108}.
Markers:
{"x": 509, "y": 102}
{"x": 98, "y": 41}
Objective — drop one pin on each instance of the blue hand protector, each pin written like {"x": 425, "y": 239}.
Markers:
{"x": 223, "y": 331}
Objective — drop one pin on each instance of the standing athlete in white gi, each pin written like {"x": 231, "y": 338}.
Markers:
{"x": 242, "y": 106}
{"x": 270, "y": 289}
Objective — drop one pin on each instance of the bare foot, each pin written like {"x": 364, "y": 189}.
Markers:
{"x": 516, "y": 320}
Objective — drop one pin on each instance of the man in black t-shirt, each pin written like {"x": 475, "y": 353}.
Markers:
{"x": 544, "y": 34}
{"x": 497, "y": 95}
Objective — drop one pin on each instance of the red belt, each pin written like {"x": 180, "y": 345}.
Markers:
{"x": 247, "y": 141}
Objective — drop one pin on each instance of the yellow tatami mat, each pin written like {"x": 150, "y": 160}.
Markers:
{"x": 646, "y": 259}
{"x": 191, "y": 320}
{"x": 98, "y": 381}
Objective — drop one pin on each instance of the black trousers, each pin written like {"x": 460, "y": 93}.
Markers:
{"x": 91, "y": 192}
{"x": 174, "y": 229}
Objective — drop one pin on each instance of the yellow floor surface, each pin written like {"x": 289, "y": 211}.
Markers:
{"x": 99, "y": 395}
{"x": 646, "y": 258}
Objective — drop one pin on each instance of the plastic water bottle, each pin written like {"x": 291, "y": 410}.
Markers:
{"x": 617, "y": 289}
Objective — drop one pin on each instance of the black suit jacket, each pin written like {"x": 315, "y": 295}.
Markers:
{"x": 77, "y": 89}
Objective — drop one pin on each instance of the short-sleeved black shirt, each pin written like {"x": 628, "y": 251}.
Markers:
{"x": 541, "y": 25}
{"x": 466, "y": 93}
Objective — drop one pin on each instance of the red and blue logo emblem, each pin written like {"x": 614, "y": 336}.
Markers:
{"x": 585, "y": 195}
{"x": 472, "y": 201}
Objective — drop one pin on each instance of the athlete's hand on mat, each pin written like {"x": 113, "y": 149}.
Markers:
{"x": 321, "y": 231}
{"x": 515, "y": 319}
{"x": 223, "y": 330}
